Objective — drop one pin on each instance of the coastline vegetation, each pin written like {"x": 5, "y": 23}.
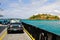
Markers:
{"x": 44, "y": 17}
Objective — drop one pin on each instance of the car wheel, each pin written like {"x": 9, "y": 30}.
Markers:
{"x": 8, "y": 31}
{"x": 22, "y": 31}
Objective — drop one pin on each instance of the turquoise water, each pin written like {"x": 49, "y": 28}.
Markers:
{"x": 52, "y": 26}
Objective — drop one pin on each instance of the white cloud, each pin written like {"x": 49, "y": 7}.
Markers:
{"x": 39, "y": 2}
{"x": 57, "y": 11}
{"x": 49, "y": 8}
{"x": 24, "y": 11}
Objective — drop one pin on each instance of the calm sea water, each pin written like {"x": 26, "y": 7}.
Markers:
{"x": 52, "y": 26}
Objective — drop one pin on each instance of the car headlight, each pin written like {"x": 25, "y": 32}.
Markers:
{"x": 10, "y": 25}
{"x": 19, "y": 26}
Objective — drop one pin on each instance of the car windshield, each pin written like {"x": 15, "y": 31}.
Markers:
{"x": 14, "y": 21}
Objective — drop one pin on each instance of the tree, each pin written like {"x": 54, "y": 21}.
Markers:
{"x": 44, "y": 17}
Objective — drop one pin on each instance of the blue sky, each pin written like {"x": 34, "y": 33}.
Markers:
{"x": 27, "y": 8}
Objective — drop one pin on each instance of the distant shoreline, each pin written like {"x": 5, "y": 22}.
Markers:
{"x": 44, "y": 17}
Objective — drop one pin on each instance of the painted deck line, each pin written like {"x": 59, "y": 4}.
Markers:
{"x": 29, "y": 34}
{"x": 3, "y": 35}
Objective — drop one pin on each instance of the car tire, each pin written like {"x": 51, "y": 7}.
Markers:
{"x": 8, "y": 31}
{"x": 22, "y": 31}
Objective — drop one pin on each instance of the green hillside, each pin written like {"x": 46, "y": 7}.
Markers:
{"x": 44, "y": 17}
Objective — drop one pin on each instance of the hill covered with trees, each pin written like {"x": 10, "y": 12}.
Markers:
{"x": 44, "y": 17}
